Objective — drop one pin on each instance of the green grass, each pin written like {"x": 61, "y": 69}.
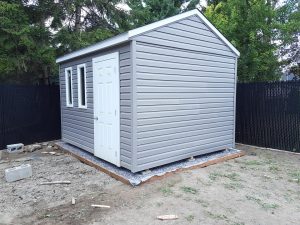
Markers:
{"x": 189, "y": 190}
{"x": 274, "y": 168}
{"x": 295, "y": 176}
{"x": 233, "y": 186}
{"x": 264, "y": 205}
{"x": 213, "y": 176}
{"x": 190, "y": 218}
{"x": 202, "y": 203}
{"x": 166, "y": 191}
{"x": 232, "y": 176}
{"x": 217, "y": 216}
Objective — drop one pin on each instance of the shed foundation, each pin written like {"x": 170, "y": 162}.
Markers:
{"x": 160, "y": 172}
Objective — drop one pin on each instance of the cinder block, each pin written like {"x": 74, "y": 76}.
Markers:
{"x": 15, "y": 148}
{"x": 18, "y": 173}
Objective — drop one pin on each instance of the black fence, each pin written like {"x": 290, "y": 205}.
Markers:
{"x": 268, "y": 115}
{"x": 29, "y": 114}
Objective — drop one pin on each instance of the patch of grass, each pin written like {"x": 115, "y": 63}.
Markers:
{"x": 268, "y": 161}
{"x": 202, "y": 203}
{"x": 217, "y": 216}
{"x": 295, "y": 176}
{"x": 274, "y": 168}
{"x": 233, "y": 186}
{"x": 264, "y": 205}
{"x": 213, "y": 176}
{"x": 232, "y": 176}
{"x": 166, "y": 191}
{"x": 190, "y": 190}
{"x": 269, "y": 206}
{"x": 190, "y": 218}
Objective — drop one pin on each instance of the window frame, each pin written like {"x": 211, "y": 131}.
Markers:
{"x": 68, "y": 104}
{"x": 79, "y": 91}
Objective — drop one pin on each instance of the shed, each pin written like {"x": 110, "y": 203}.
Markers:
{"x": 153, "y": 95}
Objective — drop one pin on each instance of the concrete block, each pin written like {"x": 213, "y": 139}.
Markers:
{"x": 15, "y": 148}
{"x": 18, "y": 173}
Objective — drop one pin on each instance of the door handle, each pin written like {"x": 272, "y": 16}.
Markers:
{"x": 95, "y": 117}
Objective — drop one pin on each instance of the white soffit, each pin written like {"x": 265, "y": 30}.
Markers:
{"x": 129, "y": 34}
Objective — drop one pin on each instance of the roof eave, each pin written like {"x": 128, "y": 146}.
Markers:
{"x": 96, "y": 47}
{"x": 138, "y": 31}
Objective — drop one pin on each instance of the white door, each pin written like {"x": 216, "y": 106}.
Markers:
{"x": 107, "y": 108}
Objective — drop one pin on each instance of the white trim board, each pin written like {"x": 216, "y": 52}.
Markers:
{"x": 69, "y": 104}
{"x": 79, "y": 85}
{"x": 138, "y": 31}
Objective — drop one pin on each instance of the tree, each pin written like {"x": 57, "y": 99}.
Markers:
{"x": 34, "y": 33}
{"x": 24, "y": 47}
{"x": 87, "y": 22}
{"x": 149, "y": 11}
{"x": 288, "y": 27}
{"x": 250, "y": 26}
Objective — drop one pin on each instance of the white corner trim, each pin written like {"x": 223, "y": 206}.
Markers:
{"x": 68, "y": 104}
{"x": 129, "y": 34}
{"x": 79, "y": 86}
{"x": 98, "y": 46}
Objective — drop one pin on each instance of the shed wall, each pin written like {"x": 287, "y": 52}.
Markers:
{"x": 185, "y": 85}
{"x": 78, "y": 123}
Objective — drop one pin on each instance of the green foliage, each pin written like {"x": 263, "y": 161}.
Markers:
{"x": 189, "y": 190}
{"x": 250, "y": 26}
{"x": 24, "y": 49}
{"x": 288, "y": 32}
{"x": 34, "y": 33}
{"x": 149, "y": 11}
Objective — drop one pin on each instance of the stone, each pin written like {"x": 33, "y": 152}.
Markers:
{"x": 45, "y": 143}
{"x": 18, "y": 173}
{"x": 32, "y": 148}
{"x": 14, "y": 148}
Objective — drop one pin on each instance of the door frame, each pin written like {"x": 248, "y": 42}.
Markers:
{"x": 117, "y": 138}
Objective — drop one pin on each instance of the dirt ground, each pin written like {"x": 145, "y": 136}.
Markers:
{"x": 262, "y": 187}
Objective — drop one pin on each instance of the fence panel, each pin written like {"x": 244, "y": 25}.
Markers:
{"x": 29, "y": 114}
{"x": 268, "y": 115}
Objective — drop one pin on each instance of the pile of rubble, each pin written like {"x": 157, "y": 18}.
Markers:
{"x": 25, "y": 170}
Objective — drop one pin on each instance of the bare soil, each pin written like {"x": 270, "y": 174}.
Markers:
{"x": 262, "y": 187}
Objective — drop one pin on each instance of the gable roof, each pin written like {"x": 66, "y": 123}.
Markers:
{"x": 132, "y": 33}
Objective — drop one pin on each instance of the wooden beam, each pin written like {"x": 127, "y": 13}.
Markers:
{"x": 156, "y": 177}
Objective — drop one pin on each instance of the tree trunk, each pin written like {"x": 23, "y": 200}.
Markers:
{"x": 77, "y": 17}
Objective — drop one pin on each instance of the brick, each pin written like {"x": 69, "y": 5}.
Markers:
{"x": 18, "y": 173}
{"x": 15, "y": 148}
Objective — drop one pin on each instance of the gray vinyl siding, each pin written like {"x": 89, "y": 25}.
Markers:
{"x": 78, "y": 123}
{"x": 185, "y": 84}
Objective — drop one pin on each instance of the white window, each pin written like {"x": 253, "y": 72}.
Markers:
{"x": 81, "y": 78}
{"x": 69, "y": 87}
